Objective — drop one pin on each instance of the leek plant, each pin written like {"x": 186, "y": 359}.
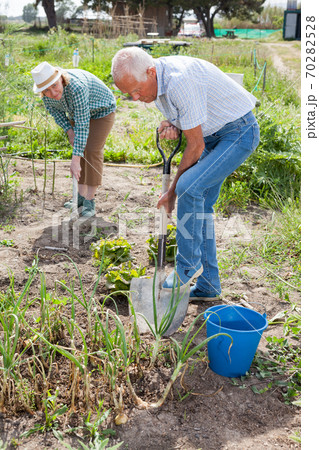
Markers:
{"x": 114, "y": 356}
{"x": 88, "y": 304}
{"x": 10, "y": 323}
{"x": 184, "y": 351}
{"x": 161, "y": 327}
{"x": 8, "y": 351}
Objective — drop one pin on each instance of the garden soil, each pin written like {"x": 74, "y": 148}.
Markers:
{"x": 204, "y": 410}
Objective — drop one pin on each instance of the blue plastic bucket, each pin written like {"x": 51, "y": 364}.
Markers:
{"x": 245, "y": 326}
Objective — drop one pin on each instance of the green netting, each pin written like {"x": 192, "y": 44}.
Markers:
{"x": 245, "y": 33}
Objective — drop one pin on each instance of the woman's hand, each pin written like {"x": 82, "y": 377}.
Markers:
{"x": 75, "y": 167}
{"x": 71, "y": 136}
{"x": 168, "y": 201}
{"x": 168, "y": 131}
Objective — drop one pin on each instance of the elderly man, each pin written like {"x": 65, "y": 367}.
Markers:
{"x": 214, "y": 113}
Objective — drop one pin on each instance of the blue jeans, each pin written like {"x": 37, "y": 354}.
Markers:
{"x": 197, "y": 191}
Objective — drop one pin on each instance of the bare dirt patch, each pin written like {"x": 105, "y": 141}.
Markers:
{"x": 215, "y": 414}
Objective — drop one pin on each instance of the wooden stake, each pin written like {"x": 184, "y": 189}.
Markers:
{"x": 11, "y": 124}
{"x": 18, "y": 124}
{"x": 26, "y": 128}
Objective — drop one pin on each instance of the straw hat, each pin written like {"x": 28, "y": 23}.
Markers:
{"x": 44, "y": 75}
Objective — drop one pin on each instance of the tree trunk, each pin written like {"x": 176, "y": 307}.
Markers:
{"x": 209, "y": 28}
{"x": 201, "y": 16}
{"x": 212, "y": 22}
{"x": 48, "y": 6}
{"x": 179, "y": 23}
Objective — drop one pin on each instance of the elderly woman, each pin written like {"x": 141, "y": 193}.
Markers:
{"x": 84, "y": 107}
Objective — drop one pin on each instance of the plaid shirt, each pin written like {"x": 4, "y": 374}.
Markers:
{"x": 194, "y": 92}
{"x": 85, "y": 97}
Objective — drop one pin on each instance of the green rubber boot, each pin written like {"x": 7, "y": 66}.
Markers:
{"x": 69, "y": 203}
{"x": 88, "y": 208}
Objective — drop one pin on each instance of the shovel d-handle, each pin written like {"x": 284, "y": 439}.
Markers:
{"x": 165, "y": 185}
{"x": 167, "y": 161}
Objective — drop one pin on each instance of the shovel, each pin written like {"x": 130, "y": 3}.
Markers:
{"x": 152, "y": 302}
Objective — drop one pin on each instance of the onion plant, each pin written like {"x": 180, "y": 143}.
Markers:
{"x": 114, "y": 355}
{"x": 183, "y": 351}
{"x": 8, "y": 351}
{"x": 88, "y": 304}
{"x": 161, "y": 327}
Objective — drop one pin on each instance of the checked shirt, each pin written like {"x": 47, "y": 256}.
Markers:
{"x": 86, "y": 97}
{"x": 193, "y": 92}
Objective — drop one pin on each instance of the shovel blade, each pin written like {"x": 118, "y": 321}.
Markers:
{"x": 141, "y": 292}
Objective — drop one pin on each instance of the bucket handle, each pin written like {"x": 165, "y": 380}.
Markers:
{"x": 260, "y": 304}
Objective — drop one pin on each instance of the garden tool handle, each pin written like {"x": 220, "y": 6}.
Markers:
{"x": 165, "y": 185}
{"x": 167, "y": 161}
{"x": 163, "y": 224}
{"x": 75, "y": 196}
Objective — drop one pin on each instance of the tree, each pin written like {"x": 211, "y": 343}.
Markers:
{"x": 29, "y": 13}
{"x": 65, "y": 9}
{"x": 99, "y": 5}
{"x": 206, "y": 10}
{"x": 49, "y": 9}
{"x": 272, "y": 17}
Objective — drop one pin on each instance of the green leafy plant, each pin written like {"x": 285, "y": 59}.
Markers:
{"x": 52, "y": 411}
{"x": 93, "y": 426}
{"x": 171, "y": 245}
{"x": 118, "y": 278}
{"x": 115, "y": 260}
{"x": 116, "y": 251}
{"x": 7, "y": 242}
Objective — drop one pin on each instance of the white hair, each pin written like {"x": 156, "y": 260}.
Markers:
{"x": 131, "y": 61}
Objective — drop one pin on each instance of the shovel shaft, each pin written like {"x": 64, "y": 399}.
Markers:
{"x": 163, "y": 218}
{"x": 163, "y": 225}
{"x": 165, "y": 185}
{"x": 165, "y": 182}
{"x": 75, "y": 195}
